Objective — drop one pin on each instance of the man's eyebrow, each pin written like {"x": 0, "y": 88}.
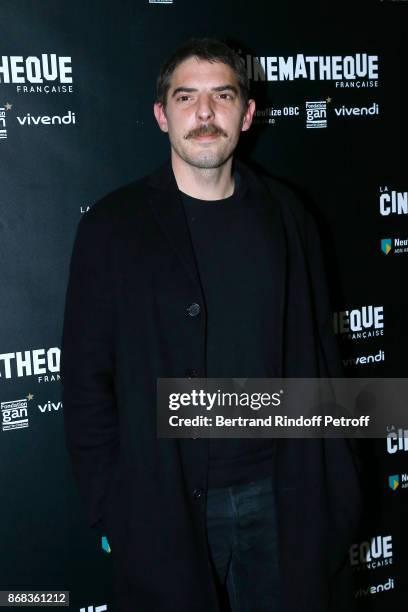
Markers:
{"x": 226, "y": 88}
{"x": 180, "y": 89}
{"x": 193, "y": 89}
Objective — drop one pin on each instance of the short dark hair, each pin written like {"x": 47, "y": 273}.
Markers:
{"x": 208, "y": 49}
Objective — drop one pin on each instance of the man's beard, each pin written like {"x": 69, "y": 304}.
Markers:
{"x": 205, "y": 158}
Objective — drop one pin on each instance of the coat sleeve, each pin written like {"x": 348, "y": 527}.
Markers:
{"x": 344, "y": 466}
{"x": 87, "y": 363}
{"x": 332, "y": 366}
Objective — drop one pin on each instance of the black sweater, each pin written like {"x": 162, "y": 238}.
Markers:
{"x": 232, "y": 250}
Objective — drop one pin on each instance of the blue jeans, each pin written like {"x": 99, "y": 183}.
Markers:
{"x": 242, "y": 537}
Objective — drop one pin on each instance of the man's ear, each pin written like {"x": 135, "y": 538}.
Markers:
{"x": 248, "y": 115}
{"x": 160, "y": 115}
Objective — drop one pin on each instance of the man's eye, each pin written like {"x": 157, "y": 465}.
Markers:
{"x": 183, "y": 98}
{"x": 226, "y": 96}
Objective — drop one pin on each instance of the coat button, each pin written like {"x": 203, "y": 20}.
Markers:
{"x": 194, "y": 309}
{"x": 191, "y": 373}
{"x": 197, "y": 493}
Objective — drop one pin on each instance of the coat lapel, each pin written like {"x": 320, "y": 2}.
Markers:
{"x": 168, "y": 209}
{"x": 264, "y": 203}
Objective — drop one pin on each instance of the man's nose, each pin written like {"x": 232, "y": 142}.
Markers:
{"x": 204, "y": 107}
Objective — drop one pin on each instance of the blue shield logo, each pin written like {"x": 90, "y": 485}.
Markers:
{"x": 393, "y": 482}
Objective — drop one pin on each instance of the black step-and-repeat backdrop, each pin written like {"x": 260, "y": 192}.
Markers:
{"x": 77, "y": 85}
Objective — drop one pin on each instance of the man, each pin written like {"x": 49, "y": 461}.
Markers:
{"x": 204, "y": 269}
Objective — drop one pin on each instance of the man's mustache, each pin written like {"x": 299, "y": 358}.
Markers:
{"x": 204, "y": 130}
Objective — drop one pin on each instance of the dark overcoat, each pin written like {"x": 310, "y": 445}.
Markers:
{"x": 132, "y": 280}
